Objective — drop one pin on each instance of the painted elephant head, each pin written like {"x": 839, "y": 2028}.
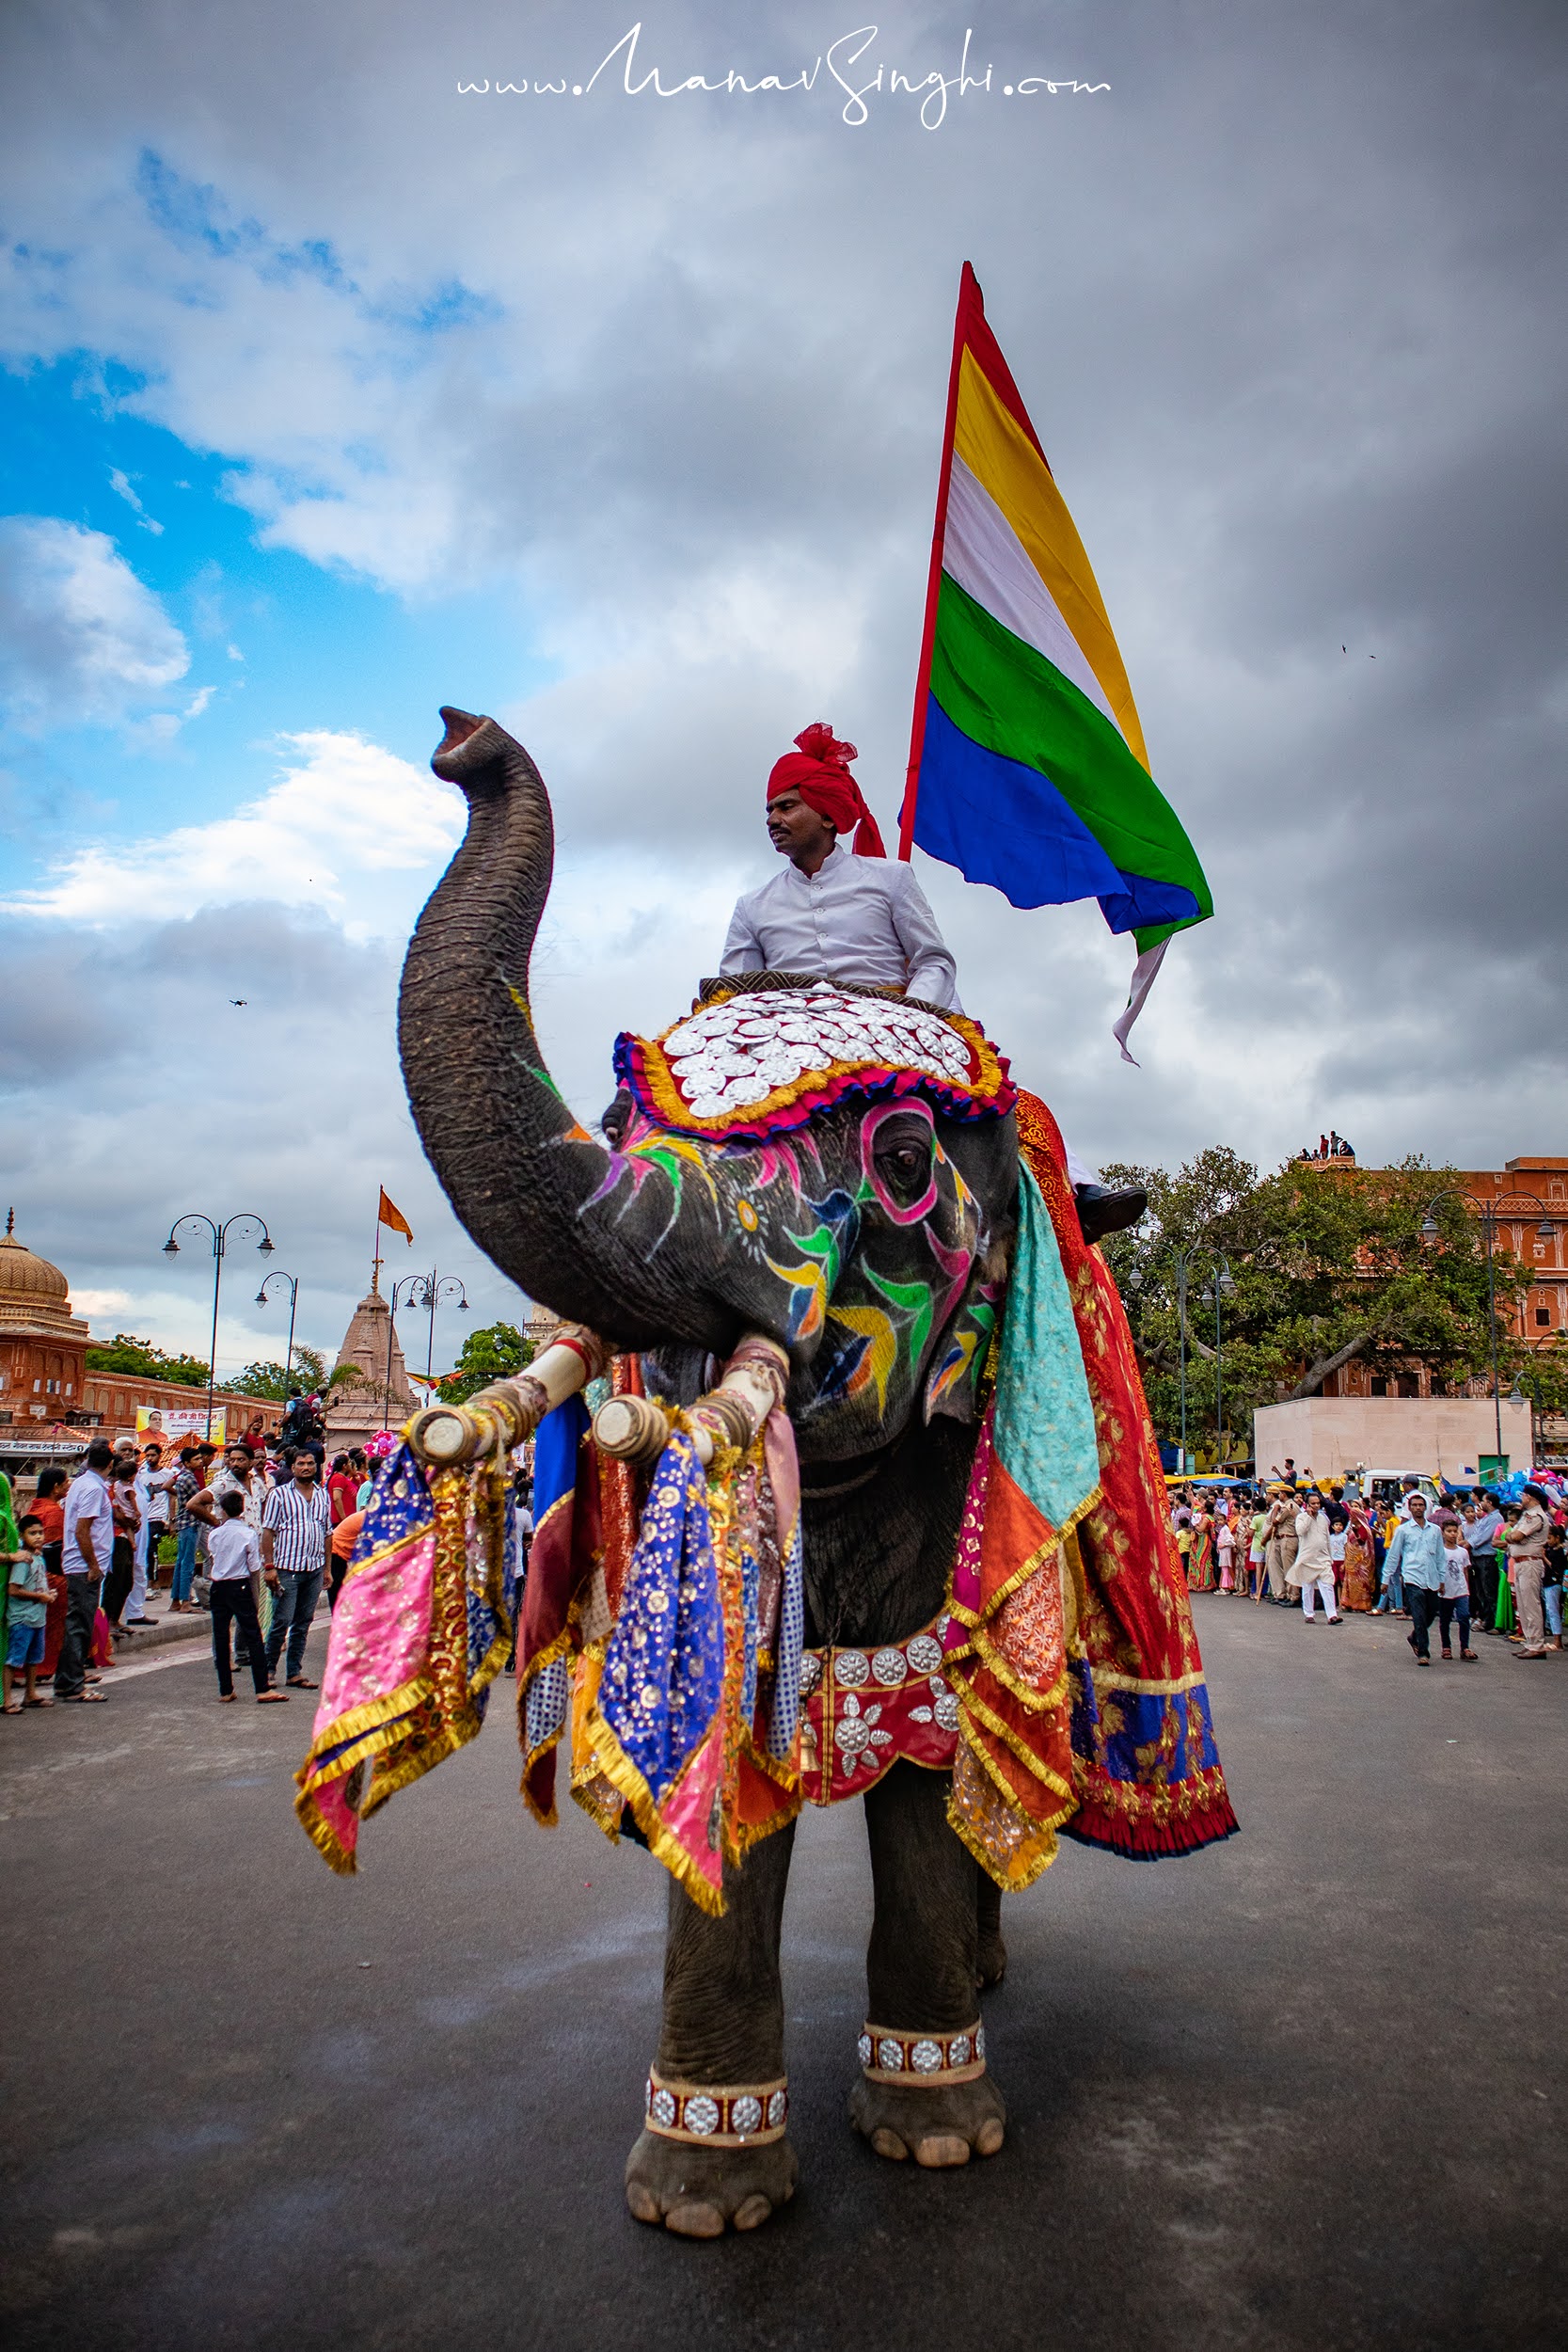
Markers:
{"x": 868, "y": 1241}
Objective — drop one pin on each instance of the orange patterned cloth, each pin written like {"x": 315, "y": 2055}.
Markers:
{"x": 1145, "y": 1773}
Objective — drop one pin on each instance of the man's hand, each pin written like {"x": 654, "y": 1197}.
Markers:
{"x": 271, "y": 1575}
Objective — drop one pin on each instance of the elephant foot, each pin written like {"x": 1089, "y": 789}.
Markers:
{"x": 990, "y": 1961}
{"x": 700, "y": 2192}
{"x": 941, "y": 2125}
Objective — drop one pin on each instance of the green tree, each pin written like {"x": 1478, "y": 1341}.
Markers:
{"x": 266, "y": 1380}
{"x": 1330, "y": 1267}
{"x": 1544, "y": 1377}
{"x": 126, "y": 1352}
{"x": 495, "y": 1351}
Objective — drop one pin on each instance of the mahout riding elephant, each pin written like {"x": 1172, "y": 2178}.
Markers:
{"x": 872, "y": 1243}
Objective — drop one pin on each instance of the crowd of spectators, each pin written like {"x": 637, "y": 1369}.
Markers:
{"x": 248, "y": 1533}
{"x": 1468, "y": 1559}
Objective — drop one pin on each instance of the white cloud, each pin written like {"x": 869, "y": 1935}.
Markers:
{"x": 96, "y": 1304}
{"x": 119, "y": 484}
{"x": 341, "y": 821}
{"x": 81, "y": 636}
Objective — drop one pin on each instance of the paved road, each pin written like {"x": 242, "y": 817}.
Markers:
{"x": 1305, "y": 2090}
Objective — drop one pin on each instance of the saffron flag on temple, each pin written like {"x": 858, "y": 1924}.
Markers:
{"x": 1028, "y": 766}
{"x": 389, "y": 1215}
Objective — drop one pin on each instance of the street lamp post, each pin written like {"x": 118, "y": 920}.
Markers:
{"x": 293, "y": 1281}
{"x": 426, "y": 1291}
{"x": 220, "y": 1244}
{"x": 1222, "y": 1286}
{"x": 1491, "y": 1216}
{"x": 1186, "y": 1256}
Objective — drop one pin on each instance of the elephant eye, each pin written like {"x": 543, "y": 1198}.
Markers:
{"x": 904, "y": 1166}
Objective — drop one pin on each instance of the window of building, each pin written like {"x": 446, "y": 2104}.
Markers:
{"x": 1380, "y": 1385}
{"x": 1542, "y": 1317}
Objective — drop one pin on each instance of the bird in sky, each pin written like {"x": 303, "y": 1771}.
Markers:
{"x": 239, "y": 1000}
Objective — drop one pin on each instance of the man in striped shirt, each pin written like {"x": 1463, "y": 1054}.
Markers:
{"x": 296, "y": 1522}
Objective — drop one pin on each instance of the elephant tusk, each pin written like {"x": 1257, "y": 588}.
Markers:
{"x": 501, "y": 1416}
{"x": 635, "y": 1429}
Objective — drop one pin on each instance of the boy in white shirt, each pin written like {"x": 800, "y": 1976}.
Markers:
{"x": 234, "y": 1566}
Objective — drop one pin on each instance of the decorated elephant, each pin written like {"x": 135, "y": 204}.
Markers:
{"x": 932, "y": 1568}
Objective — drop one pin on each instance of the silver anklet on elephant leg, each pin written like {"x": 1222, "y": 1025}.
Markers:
{"x": 710, "y": 2115}
{"x": 888, "y": 2054}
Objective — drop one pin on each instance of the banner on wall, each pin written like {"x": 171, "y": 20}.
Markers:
{"x": 180, "y": 1425}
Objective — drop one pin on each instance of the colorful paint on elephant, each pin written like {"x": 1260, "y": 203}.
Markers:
{"x": 853, "y": 1240}
{"x": 1041, "y": 1685}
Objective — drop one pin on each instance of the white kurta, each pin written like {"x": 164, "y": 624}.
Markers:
{"x": 863, "y": 921}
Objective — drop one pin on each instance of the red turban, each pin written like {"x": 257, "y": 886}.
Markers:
{"x": 820, "y": 772}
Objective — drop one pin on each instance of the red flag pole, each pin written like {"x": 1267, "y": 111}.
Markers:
{"x": 969, "y": 300}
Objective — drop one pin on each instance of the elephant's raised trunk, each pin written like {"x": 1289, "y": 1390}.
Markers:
{"x": 532, "y": 1186}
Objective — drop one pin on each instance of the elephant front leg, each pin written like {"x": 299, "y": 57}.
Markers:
{"x": 721, "y": 2061}
{"x": 991, "y": 1962}
{"x": 922, "y": 2092}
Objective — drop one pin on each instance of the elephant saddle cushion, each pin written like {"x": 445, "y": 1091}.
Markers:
{"x": 744, "y": 1066}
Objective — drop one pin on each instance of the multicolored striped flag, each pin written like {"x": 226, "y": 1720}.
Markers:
{"x": 1028, "y": 766}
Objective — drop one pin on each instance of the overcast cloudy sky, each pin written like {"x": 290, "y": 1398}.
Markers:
{"x": 332, "y": 391}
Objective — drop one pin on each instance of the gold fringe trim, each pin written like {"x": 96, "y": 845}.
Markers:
{"x": 1023, "y": 1871}
{"x": 324, "y": 1837}
{"x": 969, "y": 1703}
{"x": 1053, "y": 1542}
{"x": 988, "y": 1656}
{"x": 618, "y": 1768}
{"x": 375, "y": 1558}
{"x": 443, "y": 1742}
{"x": 371, "y": 1716}
{"x": 1105, "y": 1679}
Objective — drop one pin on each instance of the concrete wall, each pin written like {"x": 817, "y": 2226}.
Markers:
{"x": 1447, "y": 1434}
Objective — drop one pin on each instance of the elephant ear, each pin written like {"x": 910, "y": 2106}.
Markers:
{"x": 953, "y": 1384}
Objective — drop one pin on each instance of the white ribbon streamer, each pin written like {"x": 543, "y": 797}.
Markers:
{"x": 1144, "y": 973}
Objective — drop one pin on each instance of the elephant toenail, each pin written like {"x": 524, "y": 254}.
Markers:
{"x": 988, "y": 2139}
{"x": 695, "y": 2220}
{"x": 752, "y": 2212}
{"x": 942, "y": 2149}
{"x": 641, "y": 2202}
{"x": 888, "y": 2143}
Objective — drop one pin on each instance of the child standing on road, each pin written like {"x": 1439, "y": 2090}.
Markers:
{"x": 234, "y": 1566}
{"x": 28, "y": 1596}
{"x": 1453, "y": 1593}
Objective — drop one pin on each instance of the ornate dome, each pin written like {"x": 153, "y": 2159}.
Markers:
{"x": 23, "y": 1276}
